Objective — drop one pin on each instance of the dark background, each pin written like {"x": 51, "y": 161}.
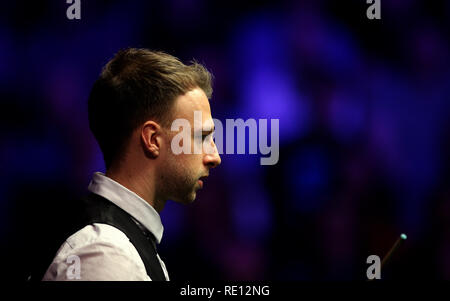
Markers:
{"x": 364, "y": 132}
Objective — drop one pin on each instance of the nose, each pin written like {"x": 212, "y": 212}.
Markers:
{"x": 212, "y": 160}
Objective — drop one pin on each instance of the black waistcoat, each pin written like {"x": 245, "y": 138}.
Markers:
{"x": 96, "y": 209}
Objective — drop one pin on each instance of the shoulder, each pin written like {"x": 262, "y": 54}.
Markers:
{"x": 97, "y": 233}
{"x": 104, "y": 253}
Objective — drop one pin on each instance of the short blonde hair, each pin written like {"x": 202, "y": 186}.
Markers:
{"x": 134, "y": 86}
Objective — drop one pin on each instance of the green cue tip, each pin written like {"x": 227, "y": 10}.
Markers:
{"x": 403, "y": 236}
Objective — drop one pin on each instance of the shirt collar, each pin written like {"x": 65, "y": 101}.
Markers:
{"x": 129, "y": 201}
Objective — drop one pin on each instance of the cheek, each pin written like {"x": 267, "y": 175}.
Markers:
{"x": 187, "y": 167}
{"x": 177, "y": 164}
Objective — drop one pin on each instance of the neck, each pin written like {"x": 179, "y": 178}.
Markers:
{"x": 143, "y": 184}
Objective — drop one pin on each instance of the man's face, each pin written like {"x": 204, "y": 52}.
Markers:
{"x": 180, "y": 173}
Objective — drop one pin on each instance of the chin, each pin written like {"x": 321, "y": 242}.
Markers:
{"x": 192, "y": 199}
{"x": 187, "y": 200}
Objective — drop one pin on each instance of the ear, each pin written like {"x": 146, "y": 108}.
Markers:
{"x": 151, "y": 138}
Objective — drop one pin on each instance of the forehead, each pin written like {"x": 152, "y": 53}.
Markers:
{"x": 194, "y": 100}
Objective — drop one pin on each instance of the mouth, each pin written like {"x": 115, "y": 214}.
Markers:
{"x": 200, "y": 181}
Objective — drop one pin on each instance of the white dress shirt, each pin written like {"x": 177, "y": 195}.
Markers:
{"x": 104, "y": 251}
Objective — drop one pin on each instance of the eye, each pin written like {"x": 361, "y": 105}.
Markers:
{"x": 205, "y": 135}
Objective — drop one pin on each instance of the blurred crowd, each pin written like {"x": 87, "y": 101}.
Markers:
{"x": 363, "y": 107}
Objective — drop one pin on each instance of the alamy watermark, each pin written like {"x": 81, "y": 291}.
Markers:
{"x": 374, "y": 270}
{"x": 214, "y": 139}
{"x": 374, "y": 10}
{"x": 74, "y": 10}
{"x": 74, "y": 267}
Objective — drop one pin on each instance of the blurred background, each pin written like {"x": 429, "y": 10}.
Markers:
{"x": 364, "y": 132}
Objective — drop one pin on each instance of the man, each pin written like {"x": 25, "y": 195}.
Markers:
{"x": 131, "y": 109}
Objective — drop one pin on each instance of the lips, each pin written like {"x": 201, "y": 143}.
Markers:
{"x": 200, "y": 181}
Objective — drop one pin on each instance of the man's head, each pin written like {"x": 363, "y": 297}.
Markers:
{"x": 131, "y": 108}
